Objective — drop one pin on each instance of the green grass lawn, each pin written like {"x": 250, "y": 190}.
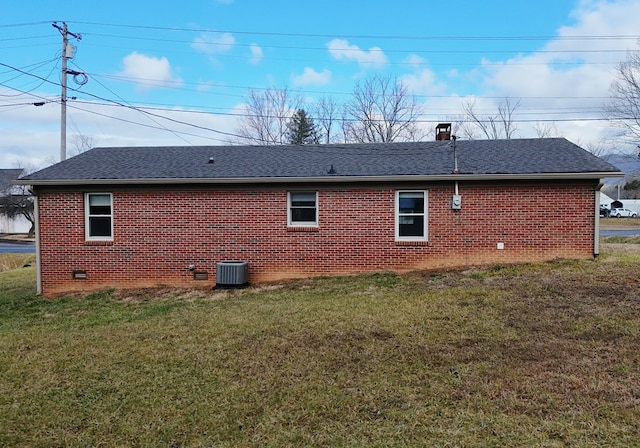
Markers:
{"x": 544, "y": 355}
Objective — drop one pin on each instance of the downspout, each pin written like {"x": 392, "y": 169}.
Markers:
{"x": 36, "y": 216}
{"x": 596, "y": 227}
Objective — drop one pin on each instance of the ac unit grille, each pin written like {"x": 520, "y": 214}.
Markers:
{"x": 232, "y": 274}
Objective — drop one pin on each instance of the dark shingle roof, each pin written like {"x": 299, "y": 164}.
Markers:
{"x": 477, "y": 158}
{"x": 7, "y": 176}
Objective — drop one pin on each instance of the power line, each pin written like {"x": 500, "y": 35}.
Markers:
{"x": 167, "y": 84}
{"x": 17, "y": 25}
{"x": 370, "y": 36}
{"x": 10, "y": 39}
{"x": 151, "y": 114}
{"x": 159, "y": 116}
{"x": 582, "y": 53}
{"x": 143, "y": 124}
{"x": 439, "y": 51}
{"x": 29, "y": 74}
{"x": 129, "y": 107}
{"x": 147, "y": 116}
{"x": 44, "y": 80}
{"x": 436, "y": 117}
{"x": 144, "y": 110}
{"x": 435, "y": 63}
{"x": 33, "y": 88}
{"x": 353, "y": 50}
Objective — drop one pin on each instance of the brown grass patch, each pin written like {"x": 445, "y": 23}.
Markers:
{"x": 528, "y": 355}
{"x": 9, "y": 261}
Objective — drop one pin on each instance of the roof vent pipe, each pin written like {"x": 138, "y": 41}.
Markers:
{"x": 455, "y": 154}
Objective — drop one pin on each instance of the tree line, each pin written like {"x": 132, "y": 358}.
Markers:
{"x": 381, "y": 109}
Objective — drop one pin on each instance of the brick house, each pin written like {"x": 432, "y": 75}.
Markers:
{"x": 134, "y": 217}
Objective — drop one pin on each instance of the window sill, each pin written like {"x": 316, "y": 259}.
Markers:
{"x": 303, "y": 229}
{"x": 98, "y": 243}
{"x": 412, "y": 243}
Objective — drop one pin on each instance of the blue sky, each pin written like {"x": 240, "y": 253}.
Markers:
{"x": 194, "y": 62}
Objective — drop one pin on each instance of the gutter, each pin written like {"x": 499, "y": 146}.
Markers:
{"x": 322, "y": 179}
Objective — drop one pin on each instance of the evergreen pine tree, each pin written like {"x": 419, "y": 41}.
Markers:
{"x": 301, "y": 130}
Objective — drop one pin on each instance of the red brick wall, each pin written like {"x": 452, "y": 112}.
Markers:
{"x": 159, "y": 233}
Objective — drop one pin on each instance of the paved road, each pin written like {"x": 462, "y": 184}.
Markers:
{"x": 620, "y": 232}
{"x": 22, "y": 248}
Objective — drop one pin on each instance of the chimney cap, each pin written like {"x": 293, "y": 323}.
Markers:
{"x": 443, "y": 131}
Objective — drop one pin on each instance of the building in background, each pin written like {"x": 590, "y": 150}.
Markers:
{"x": 17, "y": 224}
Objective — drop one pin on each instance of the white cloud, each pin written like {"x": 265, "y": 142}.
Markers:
{"x": 567, "y": 75}
{"x": 415, "y": 60}
{"x": 214, "y": 43}
{"x": 341, "y": 50}
{"x": 256, "y": 54}
{"x": 106, "y": 125}
{"x": 311, "y": 77}
{"x": 149, "y": 72}
{"x": 423, "y": 82}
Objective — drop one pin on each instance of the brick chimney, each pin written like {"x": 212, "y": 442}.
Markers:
{"x": 443, "y": 131}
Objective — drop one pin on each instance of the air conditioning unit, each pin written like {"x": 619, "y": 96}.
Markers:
{"x": 232, "y": 274}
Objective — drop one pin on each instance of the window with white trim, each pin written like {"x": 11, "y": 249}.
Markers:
{"x": 302, "y": 208}
{"x": 99, "y": 216}
{"x": 411, "y": 215}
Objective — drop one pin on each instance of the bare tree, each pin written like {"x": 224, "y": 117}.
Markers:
{"x": 381, "y": 110}
{"x": 82, "y": 143}
{"x": 326, "y": 115}
{"x": 545, "y": 129}
{"x": 624, "y": 107}
{"x": 494, "y": 127}
{"x": 266, "y": 116}
{"x": 597, "y": 148}
{"x": 466, "y": 129}
{"x": 17, "y": 201}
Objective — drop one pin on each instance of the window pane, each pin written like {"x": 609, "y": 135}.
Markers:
{"x": 99, "y": 199}
{"x": 411, "y": 226}
{"x": 99, "y": 210}
{"x": 303, "y": 207}
{"x": 99, "y": 204}
{"x": 411, "y": 202}
{"x": 303, "y": 214}
{"x": 100, "y": 226}
{"x": 303, "y": 199}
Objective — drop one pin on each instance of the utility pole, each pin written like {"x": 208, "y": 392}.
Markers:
{"x": 67, "y": 53}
